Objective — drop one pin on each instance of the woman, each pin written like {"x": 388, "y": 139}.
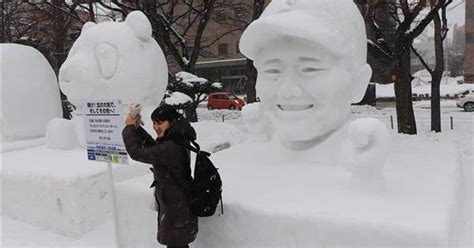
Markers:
{"x": 177, "y": 226}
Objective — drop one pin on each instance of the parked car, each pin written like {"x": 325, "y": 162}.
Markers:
{"x": 466, "y": 101}
{"x": 224, "y": 100}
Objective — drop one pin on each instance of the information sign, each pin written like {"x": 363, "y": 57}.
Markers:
{"x": 104, "y": 122}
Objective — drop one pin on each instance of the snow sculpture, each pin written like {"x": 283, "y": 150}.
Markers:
{"x": 311, "y": 62}
{"x": 256, "y": 125}
{"x": 29, "y": 93}
{"x": 115, "y": 60}
{"x": 59, "y": 135}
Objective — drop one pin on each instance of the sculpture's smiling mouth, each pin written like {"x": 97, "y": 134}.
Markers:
{"x": 294, "y": 107}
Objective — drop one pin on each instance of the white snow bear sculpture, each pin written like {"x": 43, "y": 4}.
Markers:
{"x": 111, "y": 60}
{"x": 29, "y": 93}
{"x": 311, "y": 62}
{"x": 115, "y": 60}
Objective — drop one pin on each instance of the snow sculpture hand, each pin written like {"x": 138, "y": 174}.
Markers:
{"x": 367, "y": 149}
{"x": 254, "y": 119}
{"x": 60, "y": 134}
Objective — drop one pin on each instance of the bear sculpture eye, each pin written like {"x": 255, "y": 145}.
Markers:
{"x": 107, "y": 57}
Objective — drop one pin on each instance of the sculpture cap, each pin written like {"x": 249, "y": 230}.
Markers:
{"x": 335, "y": 25}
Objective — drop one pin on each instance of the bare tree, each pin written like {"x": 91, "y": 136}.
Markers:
{"x": 440, "y": 33}
{"x": 178, "y": 26}
{"x": 411, "y": 21}
{"x": 16, "y": 22}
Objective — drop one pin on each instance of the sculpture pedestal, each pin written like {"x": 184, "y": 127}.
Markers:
{"x": 59, "y": 190}
{"x": 276, "y": 200}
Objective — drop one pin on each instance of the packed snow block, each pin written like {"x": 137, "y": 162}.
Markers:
{"x": 272, "y": 200}
{"x": 136, "y": 211}
{"x": 59, "y": 190}
{"x": 282, "y": 201}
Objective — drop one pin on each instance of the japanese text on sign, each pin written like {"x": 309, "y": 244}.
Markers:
{"x": 103, "y": 121}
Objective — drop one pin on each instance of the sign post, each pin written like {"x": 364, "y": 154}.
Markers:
{"x": 104, "y": 121}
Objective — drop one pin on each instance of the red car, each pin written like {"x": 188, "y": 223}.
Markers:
{"x": 224, "y": 100}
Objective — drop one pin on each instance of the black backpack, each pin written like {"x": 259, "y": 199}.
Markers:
{"x": 206, "y": 187}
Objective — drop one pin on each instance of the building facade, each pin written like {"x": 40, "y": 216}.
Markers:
{"x": 469, "y": 50}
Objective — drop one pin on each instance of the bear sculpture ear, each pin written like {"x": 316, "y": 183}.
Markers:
{"x": 87, "y": 26}
{"x": 140, "y": 24}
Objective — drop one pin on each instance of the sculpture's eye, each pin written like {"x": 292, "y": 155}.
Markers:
{"x": 272, "y": 71}
{"x": 311, "y": 69}
{"x": 107, "y": 57}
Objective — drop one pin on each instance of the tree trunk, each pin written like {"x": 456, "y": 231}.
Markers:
{"x": 191, "y": 114}
{"x": 251, "y": 82}
{"x": 258, "y": 7}
{"x": 435, "y": 103}
{"x": 436, "y": 77}
{"x": 403, "y": 93}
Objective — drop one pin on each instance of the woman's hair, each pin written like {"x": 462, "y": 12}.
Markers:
{"x": 165, "y": 112}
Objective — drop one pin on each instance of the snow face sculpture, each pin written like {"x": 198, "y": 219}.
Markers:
{"x": 311, "y": 62}
{"x": 29, "y": 93}
{"x": 311, "y": 66}
{"x": 115, "y": 60}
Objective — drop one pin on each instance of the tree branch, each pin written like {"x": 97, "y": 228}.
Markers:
{"x": 420, "y": 58}
{"x": 428, "y": 18}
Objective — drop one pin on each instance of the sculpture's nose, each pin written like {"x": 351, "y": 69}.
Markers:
{"x": 289, "y": 89}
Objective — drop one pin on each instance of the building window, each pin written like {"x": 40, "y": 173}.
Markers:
{"x": 206, "y": 52}
{"x": 223, "y": 49}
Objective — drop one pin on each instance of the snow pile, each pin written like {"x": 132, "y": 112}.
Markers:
{"x": 189, "y": 78}
{"x": 220, "y": 115}
{"x": 217, "y": 85}
{"x": 216, "y": 136}
{"x": 177, "y": 98}
{"x": 29, "y": 93}
{"x": 115, "y": 60}
{"x": 421, "y": 85}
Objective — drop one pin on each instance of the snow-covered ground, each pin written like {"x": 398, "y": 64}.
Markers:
{"x": 449, "y": 87}
{"x": 212, "y": 132}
